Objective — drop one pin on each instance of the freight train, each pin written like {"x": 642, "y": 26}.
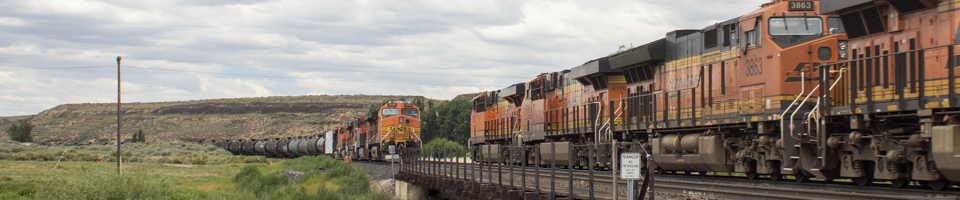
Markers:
{"x": 864, "y": 90}
{"x": 395, "y": 125}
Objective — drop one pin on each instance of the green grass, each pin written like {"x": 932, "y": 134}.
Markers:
{"x": 99, "y": 180}
{"x": 160, "y": 152}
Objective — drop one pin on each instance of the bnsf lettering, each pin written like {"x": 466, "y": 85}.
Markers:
{"x": 754, "y": 67}
{"x": 684, "y": 82}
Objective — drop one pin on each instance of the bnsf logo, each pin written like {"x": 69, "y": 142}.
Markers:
{"x": 808, "y": 68}
{"x": 754, "y": 67}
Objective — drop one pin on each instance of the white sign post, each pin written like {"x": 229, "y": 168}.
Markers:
{"x": 630, "y": 170}
{"x": 630, "y": 166}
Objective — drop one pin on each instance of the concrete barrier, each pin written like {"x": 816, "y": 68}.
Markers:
{"x": 406, "y": 190}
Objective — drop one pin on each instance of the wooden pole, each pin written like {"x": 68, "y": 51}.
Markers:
{"x": 119, "y": 165}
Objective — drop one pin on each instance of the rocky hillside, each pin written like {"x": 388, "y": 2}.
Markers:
{"x": 217, "y": 119}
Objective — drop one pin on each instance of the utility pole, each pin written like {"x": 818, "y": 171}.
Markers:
{"x": 119, "y": 165}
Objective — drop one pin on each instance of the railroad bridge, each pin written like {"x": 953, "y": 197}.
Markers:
{"x": 452, "y": 174}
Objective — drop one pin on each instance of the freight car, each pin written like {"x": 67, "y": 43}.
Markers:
{"x": 815, "y": 96}
{"x": 370, "y": 137}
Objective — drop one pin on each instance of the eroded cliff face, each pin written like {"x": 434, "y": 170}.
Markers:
{"x": 215, "y": 119}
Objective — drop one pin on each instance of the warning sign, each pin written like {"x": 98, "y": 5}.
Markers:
{"x": 630, "y": 166}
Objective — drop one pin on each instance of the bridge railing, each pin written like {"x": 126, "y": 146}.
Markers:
{"x": 548, "y": 170}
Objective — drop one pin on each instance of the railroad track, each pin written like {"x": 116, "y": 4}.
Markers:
{"x": 713, "y": 186}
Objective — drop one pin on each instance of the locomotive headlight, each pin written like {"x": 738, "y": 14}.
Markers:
{"x": 842, "y": 49}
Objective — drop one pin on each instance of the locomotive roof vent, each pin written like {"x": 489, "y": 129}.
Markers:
{"x": 587, "y": 73}
{"x": 514, "y": 93}
{"x": 652, "y": 51}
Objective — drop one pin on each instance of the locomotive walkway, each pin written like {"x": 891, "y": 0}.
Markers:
{"x": 460, "y": 178}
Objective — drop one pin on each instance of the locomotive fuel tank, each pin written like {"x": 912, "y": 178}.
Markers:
{"x": 691, "y": 152}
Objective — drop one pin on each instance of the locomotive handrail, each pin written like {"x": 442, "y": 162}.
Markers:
{"x": 418, "y": 140}
{"x": 817, "y": 106}
{"x": 803, "y": 89}
{"x": 888, "y": 54}
{"x": 519, "y": 130}
{"x": 798, "y": 109}
{"x": 390, "y": 130}
{"x": 596, "y": 120}
{"x": 607, "y": 123}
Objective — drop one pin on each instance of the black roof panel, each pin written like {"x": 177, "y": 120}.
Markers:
{"x": 600, "y": 65}
{"x": 652, "y": 51}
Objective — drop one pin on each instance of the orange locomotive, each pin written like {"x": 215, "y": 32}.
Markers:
{"x": 395, "y": 125}
{"x": 724, "y": 87}
{"x": 894, "y": 118}
{"x": 826, "y": 89}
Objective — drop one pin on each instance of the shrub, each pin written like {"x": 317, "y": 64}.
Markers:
{"x": 251, "y": 180}
{"x": 20, "y": 131}
{"x": 109, "y": 186}
{"x": 443, "y": 148}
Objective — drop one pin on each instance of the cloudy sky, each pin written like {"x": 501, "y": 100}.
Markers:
{"x": 63, "y": 51}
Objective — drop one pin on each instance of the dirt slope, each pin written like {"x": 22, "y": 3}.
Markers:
{"x": 216, "y": 119}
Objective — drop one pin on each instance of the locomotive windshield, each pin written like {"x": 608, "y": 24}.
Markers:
{"x": 411, "y": 112}
{"x": 390, "y": 112}
{"x": 795, "y": 26}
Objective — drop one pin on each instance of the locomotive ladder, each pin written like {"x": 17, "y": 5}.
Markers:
{"x": 819, "y": 163}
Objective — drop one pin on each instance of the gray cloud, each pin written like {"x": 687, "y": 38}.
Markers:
{"x": 461, "y": 46}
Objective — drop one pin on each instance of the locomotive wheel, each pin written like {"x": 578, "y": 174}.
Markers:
{"x": 752, "y": 175}
{"x": 776, "y": 176}
{"x": 938, "y": 185}
{"x": 863, "y": 181}
{"x": 899, "y": 183}
{"x": 801, "y": 177}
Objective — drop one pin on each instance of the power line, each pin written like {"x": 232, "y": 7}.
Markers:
{"x": 287, "y": 77}
{"x": 425, "y": 73}
{"x": 288, "y": 67}
{"x": 83, "y": 67}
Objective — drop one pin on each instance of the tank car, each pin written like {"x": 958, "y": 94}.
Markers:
{"x": 294, "y": 147}
{"x": 271, "y": 148}
{"x": 260, "y": 147}
{"x": 283, "y": 148}
{"x": 302, "y": 146}
{"x": 247, "y": 147}
{"x": 312, "y": 145}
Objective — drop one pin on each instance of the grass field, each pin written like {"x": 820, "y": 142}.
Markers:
{"x": 99, "y": 180}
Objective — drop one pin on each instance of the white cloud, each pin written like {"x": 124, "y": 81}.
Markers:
{"x": 448, "y": 47}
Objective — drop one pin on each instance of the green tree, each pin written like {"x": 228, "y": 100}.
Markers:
{"x": 450, "y": 120}
{"x": 20, "y": 131}
{"x": 622, "y": 48}
{"x": 138, "y": 137}
{"x": 420, "y": 103}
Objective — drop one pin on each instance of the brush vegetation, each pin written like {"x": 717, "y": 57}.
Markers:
{"x": 159, "y": 152}
{"x": 93, "y": 180}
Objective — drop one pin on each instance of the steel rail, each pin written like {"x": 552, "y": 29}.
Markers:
{"x": 716, "y": 186}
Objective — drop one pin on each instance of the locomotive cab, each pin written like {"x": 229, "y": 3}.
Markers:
{"x": 400, "y": 125}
